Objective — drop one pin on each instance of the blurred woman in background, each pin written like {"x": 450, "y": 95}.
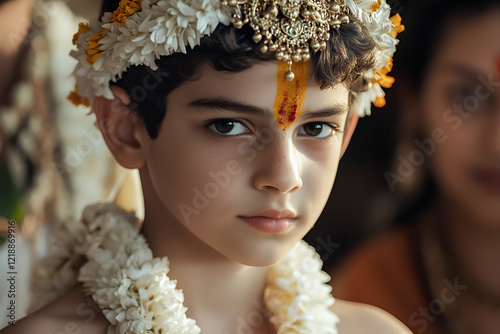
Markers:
{"x": 440, "y": 271}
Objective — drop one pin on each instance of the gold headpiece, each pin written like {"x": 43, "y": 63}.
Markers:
{"x": 289, "y": 27}
{"x": 139, "y": 32}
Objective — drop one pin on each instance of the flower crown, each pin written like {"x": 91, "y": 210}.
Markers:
{"x": 139, "y": 32}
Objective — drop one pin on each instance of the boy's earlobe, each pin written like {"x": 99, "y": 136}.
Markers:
{"x": 348, "y": 132}
{"x": 120, "y": 126}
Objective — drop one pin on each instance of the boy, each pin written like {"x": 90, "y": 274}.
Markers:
{"x": 237, "y": 141}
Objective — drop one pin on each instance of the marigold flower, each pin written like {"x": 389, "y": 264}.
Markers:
{"x": 379, "y": 102}
{"x": 126, "y": 9}
{"x": 398, "y": 27}
{"x": 83, "y": 27}
{"x": 94, "y": 50}
{"x": 382, "y": 78}
{"x": 77, "y": 99}
{"x": 376, "y": 6}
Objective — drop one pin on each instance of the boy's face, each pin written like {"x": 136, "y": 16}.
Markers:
{"x": 223, "y": 168}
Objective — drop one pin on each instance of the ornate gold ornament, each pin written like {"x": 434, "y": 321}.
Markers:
{"x": 289, "y": 27}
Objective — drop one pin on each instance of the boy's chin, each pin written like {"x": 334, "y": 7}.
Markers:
{"x": 265, "y": 254}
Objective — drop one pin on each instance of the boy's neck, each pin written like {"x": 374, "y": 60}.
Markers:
{"x": 220, "y": 294}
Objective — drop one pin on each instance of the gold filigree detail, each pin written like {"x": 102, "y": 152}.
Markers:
{"x": 290, "y": 28}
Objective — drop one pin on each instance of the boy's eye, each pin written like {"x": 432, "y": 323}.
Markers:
{"x": 228, "y": 127}
{"x": 318, "y": 130}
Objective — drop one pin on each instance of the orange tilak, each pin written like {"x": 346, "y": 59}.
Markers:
{"x": 290, "y": 95}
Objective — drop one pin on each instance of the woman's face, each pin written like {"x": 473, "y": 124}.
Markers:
{"x": 461, "y": 103}
{"x": 222, "y": 167}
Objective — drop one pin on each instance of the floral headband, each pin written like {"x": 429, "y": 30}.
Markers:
{"x": 141, "y": 31}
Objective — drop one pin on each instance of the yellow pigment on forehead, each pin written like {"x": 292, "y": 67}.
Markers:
{"x": 290, "y": 95}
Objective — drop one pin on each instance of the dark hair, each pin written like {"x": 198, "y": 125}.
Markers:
{"x": 349, "y": 53}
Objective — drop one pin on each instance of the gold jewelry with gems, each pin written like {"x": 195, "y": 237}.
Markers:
{"x": 139, "y": 32}
{"x": 289, "y": 27}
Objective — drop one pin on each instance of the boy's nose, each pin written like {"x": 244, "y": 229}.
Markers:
{"x": 279, "y": 167}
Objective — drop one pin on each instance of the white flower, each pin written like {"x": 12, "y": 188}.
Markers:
{"x": 136, "y": 295}
{"x": 159, "y": 29}
{"x": 379, "y": 26}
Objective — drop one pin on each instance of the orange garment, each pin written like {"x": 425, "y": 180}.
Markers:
{"x": 385, "y": 272}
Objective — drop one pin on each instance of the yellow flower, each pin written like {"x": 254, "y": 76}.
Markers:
{"x": 94, "y": 50}
{"x": 381, "y": 75}
{"x": 77, "y": 99}
{"x": 379, "y": 102}
{"x": 376, "y": 6}
{"x": 83, "y": 27}
{"x": 398, "y": 27}
{"x": 385, "y": 81}
{"x": 126, "y": 9}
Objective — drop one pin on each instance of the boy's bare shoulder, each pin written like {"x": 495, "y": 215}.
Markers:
{"x": 71, "y": 314}
{"x": 362, "y": 318}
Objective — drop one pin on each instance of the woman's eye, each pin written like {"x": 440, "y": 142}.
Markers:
{"x": 318, "y": 130}
{"x": 460, "y": 93}
{"x": 228, "y": 127}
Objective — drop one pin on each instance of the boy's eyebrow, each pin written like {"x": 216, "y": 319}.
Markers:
{"x": 221, "y": 103}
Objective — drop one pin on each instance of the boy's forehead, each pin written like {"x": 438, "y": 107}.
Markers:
{"x": 256, "y": 86}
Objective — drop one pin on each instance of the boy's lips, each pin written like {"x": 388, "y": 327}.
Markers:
{"x": 271, "y": 221}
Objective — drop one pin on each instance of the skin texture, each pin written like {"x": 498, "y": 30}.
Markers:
{"x": 267, "y": 168}
{"x": 458, "y": 113}
{"x": 472, "y": 130}
{"x": 280, "y": 170}
{"x": 467, "y": 164}
{"x": 219, "y": 260}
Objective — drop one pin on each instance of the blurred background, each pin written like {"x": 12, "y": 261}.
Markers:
{"x": 362, "y": 203}
{"x": 49, "y": 149}
{"x": 439, "y": 272}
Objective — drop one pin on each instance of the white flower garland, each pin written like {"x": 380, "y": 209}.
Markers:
{"x": 160, "y": 28}
{"x": 163, "y": 27}
{"x": 380, "y": 27}
{"x": 136, "y": 295}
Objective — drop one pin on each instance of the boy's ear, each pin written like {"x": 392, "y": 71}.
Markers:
{"x": 348, "y": 132}
{"x": 120, "y": 127}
